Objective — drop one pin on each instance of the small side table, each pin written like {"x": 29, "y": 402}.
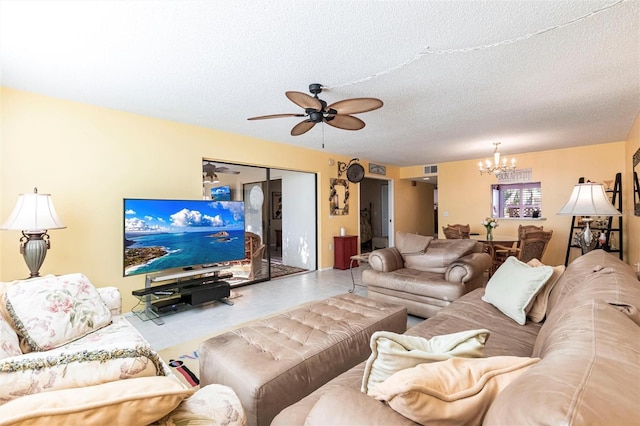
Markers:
{"x": 344, "y": 247}
{"x": 357, "y": 259}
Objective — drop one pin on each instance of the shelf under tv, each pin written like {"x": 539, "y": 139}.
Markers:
{"x": 180, "y": 291}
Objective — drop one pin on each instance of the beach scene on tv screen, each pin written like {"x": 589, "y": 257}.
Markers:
{"x": 169, "y": 234}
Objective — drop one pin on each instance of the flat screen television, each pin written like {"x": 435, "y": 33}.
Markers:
{"x": 169, "y": 234}
{"x": 221, "y": 193}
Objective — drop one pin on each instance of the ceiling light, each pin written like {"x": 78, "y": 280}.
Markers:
{"x": 498, "y": 166}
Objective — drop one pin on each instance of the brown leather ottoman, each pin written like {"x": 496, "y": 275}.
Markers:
{"x": 274, "y": 362}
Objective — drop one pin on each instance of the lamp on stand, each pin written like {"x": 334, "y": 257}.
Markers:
{"x": 586, "y": 200}
{"x": 34, "y": 215}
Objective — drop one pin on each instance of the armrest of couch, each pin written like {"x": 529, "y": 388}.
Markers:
{"x": 467, "y": 267}
{"x": 112, "y": 298}
{"x": 386, "y": 259}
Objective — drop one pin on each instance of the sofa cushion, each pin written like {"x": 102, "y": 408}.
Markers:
{"x": 412, "y": 244}
{"x": 514, "y": 285}
{"x": 9, "y": 343}
{"x": 345, "y": 406}
{"x": 429, "y": 285}
{"x": 588, "y": 374}
{"x": 129, "y": 402}
{"x": 392, "y": 352}
{"x": 57, "y": 310}
{"x": 439, "y": 255}
{"x": 455, "y": 391}
{"x": 539, "y": 306}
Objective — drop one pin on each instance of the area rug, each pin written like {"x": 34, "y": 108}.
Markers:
{"x": 183, "y": 360}
{"x": 278, "y": 270}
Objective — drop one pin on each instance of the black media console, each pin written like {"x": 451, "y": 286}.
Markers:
{"x": 181, "y": 291}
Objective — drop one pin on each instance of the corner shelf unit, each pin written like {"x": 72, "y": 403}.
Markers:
{"x": 606, "y": 224}
{"x": 180, "y": 291}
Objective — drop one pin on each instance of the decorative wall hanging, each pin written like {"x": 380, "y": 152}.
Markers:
{"x": 377, "y": 169}
{"x": 339, "y": 197}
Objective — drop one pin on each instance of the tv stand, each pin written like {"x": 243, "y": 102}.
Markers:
{"x": 175, "y": 292}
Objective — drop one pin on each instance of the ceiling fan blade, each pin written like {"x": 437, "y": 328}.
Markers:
{"x": 303, "y": 100}
{"x": 302, "y": 127}
{"x": 264, "y": 117}
{"x": 227, "y": 170}
{"x": 346, "y": 122}
{"x": 356, "y": 105}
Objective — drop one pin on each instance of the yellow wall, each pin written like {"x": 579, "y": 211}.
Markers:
{"x": 631, "y": 222}
{"x": 466, "y": 195}
{"x": 90, "y": 158}
{"x": 414, "y": 207}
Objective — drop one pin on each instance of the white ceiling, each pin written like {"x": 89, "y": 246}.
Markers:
{"x": 539, "y": 75}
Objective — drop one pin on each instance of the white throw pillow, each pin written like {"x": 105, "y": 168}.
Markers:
{"x": 9, "y": 343}
{"x": 53, "y": 311}
{"x": 392, "y": 352}
{"x": 513, "y": 287}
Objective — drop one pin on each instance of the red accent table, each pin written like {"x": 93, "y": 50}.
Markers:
{"x": 343, "y": 249}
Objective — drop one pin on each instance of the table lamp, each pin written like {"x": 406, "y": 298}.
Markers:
{"x": 588, "y": 199}
{"x": 34, "y": 215}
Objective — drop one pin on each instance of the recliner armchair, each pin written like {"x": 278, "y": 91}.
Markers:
{"x": 424, "y": 274}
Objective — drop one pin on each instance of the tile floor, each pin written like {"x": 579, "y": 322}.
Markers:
{"x": 252, "y": 302}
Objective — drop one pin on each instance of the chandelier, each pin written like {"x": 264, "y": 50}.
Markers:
{"x": 497, "y": 166}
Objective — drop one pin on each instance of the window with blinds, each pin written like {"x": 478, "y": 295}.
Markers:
{"x": 517, "y": 200}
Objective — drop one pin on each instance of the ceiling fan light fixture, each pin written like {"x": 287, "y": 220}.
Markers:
{"x": 316, "y": 117}
{"x": 316, "y": 110}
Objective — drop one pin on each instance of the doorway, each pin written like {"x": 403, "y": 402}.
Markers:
{"x": 376, "y": 214}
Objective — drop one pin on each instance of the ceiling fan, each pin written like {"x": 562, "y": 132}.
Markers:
{"x": 317, "y": 111}
{"x": 210, "y": 172}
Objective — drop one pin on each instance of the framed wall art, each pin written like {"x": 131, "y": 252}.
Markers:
{"x": 377, "y": 169}
{"x": 276, "y": 205}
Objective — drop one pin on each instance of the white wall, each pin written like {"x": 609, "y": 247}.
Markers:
{"x": 299, "y": 219}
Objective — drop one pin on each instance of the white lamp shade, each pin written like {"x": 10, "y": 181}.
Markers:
{"x": 33, "y": 212}
{"x": 589, "y": 199}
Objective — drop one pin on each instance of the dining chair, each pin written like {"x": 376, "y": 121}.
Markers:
{"x": 523, "y": 230}
{"x": 531, "y": 247}
{"x": 456, "y": 231}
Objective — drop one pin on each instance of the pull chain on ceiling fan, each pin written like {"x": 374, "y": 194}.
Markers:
{"x": 316, "y": 110}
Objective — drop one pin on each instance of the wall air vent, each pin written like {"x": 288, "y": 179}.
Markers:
{"x": 430, "y": 169}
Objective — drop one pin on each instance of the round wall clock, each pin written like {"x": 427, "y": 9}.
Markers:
{"x": 355, "y": 173}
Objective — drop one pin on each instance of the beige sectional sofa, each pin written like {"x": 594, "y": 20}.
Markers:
{"x": 579, "y": 365}
{"x": 69, "y": 357}
{"x": 424, "y": 274}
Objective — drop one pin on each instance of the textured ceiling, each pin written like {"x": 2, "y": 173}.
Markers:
{"x": 455, "y": 76}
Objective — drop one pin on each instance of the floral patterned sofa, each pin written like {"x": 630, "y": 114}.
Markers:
{"x": 68, "y": 356}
